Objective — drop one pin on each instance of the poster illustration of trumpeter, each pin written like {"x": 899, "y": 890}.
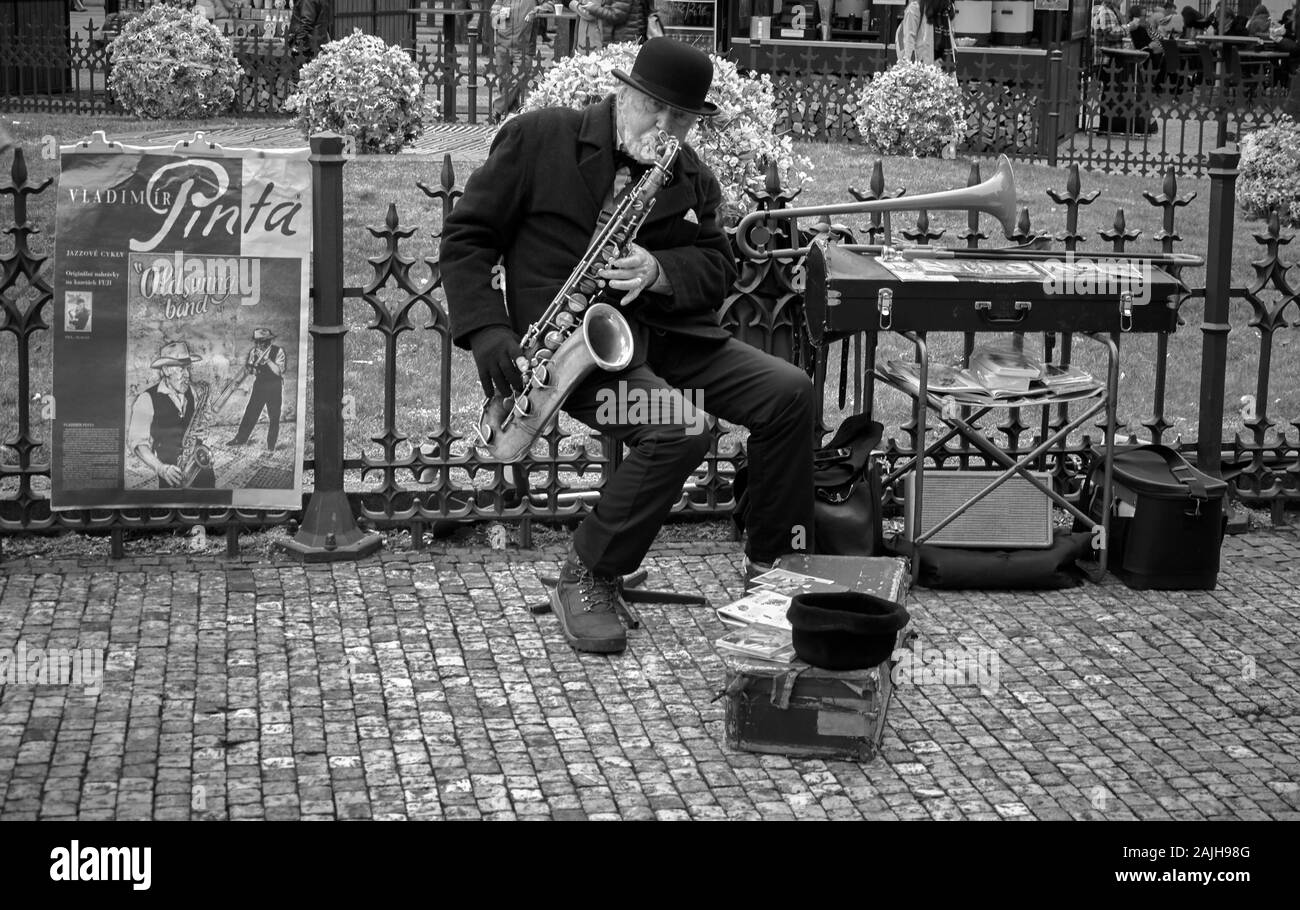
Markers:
{"x": 188, "y": 386}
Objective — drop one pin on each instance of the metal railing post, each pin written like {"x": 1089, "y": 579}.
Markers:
{"x": 328, "y": 533}
{"x": 1216, "y": 325}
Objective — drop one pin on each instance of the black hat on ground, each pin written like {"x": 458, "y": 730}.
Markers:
{"x": 844, "y": 631}
{"x": 675, "y": 73}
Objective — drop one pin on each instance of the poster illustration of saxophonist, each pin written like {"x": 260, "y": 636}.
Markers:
{"x": 191, "y": 389}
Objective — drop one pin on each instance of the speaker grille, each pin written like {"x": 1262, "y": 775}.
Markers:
{"x": 1013, "y": 515}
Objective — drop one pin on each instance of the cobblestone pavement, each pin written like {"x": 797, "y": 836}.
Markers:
{"x": 417, "y": 685}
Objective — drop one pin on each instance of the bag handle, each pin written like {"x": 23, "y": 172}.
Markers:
{"x": 852, "y": 443}
{"x": 1181, "y": 470}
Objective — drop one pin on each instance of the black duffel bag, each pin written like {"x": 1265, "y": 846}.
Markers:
{"x": 846, "y": 483}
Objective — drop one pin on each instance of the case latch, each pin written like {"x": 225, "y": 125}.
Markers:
{"x": 1126, "y": 312}
{"x": 885, "y": 305}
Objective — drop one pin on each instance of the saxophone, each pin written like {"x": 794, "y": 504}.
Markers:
{"x": 195, "y": 456}
{"x": 578, "y": 332}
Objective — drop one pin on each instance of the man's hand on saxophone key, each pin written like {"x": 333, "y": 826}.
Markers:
{"x": 633, "y": 272}
{"x": 496, "y": 350}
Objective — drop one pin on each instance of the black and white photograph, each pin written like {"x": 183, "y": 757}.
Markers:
{"x": 78, "y": 311}
{"x": 629, "y": 411}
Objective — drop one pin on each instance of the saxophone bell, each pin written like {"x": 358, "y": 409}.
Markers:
{"x": 199, "y": 458}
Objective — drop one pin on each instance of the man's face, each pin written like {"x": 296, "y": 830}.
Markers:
{"x": 640, "y": 118}
{"x": 178, "y": 377}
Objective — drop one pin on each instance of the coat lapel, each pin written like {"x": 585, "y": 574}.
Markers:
{"x": 595, "y": 150}
{"x": 678, "y": 195}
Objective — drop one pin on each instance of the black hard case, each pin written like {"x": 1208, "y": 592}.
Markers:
{"x": 1171, "y": 540}
{"x": 842, "y": 288}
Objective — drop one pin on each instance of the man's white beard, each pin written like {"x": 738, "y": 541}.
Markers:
{"x": 645, "y": 147}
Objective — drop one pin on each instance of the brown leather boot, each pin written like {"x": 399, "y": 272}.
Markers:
{"x": 586, "y": 606}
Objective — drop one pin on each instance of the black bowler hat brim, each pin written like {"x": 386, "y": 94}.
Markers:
{"x": 673, "y": 73}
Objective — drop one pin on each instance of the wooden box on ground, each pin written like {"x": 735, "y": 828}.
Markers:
{"x": 804, "y": 711}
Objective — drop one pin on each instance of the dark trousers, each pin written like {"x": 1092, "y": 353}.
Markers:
{"x": 514, "y": 69}
{"x": 265, "y": 395}
{"x": 730, "y": 380}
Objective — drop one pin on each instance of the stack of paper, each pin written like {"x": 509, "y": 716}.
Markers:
{"x": 1004, "y": 369}
{"x": 761, "y": 642}
{"x": 762, "y": 607}
{"x": 788, "y": 583}
{"x": 758, "y": 620}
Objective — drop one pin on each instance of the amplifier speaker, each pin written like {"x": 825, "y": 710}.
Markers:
{"x": 1015, "y": 515}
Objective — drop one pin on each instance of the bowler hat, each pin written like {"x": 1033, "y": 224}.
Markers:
{"x": 844, "y": 630}
{"x": 174, "y": 354}
{"x": 675, "y": 73}
{"x": 263, "y": 334}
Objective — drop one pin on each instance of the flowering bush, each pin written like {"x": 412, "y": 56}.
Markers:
{"x": 1269, "y": 174}
{"x": 913, "y": 109}
{"x": 737, "y": 144}
{"x": 173, "y": 63}
{"x": 363, "y": 88}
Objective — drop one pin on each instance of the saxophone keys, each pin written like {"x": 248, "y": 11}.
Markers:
{"x": 523, "y": 406}
{"x": 543, "y": 355}
{"x": 541, "y": 376}
{"x": 576, "y": 303}
{"x": 554, "y": 340}
{"x": 565, "y": 320}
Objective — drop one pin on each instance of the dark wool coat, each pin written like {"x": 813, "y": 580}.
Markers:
{"x": 311, "y": 25}
{"x": 536, "y": 200}
{"x": 633, "y": 27}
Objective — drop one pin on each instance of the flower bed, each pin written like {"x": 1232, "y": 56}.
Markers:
{"x": 913, "y": 109}
{"x": 172, "y": 63}
{"x": 1269, "y": 173}
{"x": 365, "y": 89}
{"x": 737, "y": 144}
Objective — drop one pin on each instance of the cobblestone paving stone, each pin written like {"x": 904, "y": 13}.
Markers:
{"x": 418, "y": 685}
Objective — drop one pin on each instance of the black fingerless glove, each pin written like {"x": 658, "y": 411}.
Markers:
{"x": 495, "y": 349}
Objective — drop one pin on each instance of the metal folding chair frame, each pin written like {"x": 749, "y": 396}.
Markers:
{"x": 967, "y": 430}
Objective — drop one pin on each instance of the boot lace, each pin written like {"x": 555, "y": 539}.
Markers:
{"x": 599, "y": 592}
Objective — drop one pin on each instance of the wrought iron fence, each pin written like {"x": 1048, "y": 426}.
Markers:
{"x": 1121, "y": 118}
{"x": 423, "y": 474}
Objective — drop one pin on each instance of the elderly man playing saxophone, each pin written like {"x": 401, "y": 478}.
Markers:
{"x": 535, "y": 204}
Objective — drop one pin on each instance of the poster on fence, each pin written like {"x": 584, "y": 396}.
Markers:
{"x": 181, "y": 288}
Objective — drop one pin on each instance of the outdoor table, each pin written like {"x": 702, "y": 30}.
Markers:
{"x": 1273, "y": 61}
{"x": 1113, "y": 118}
{"x": 1238, "y": 40}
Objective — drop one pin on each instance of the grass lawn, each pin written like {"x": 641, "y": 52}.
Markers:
{"x": 372, "y": 183}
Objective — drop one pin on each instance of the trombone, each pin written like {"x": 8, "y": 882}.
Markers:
{"x": 250, "y": 367}
{"x": 996, "y": 196}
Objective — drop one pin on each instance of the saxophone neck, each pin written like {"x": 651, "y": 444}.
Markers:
{"x": 668, "y": 146}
